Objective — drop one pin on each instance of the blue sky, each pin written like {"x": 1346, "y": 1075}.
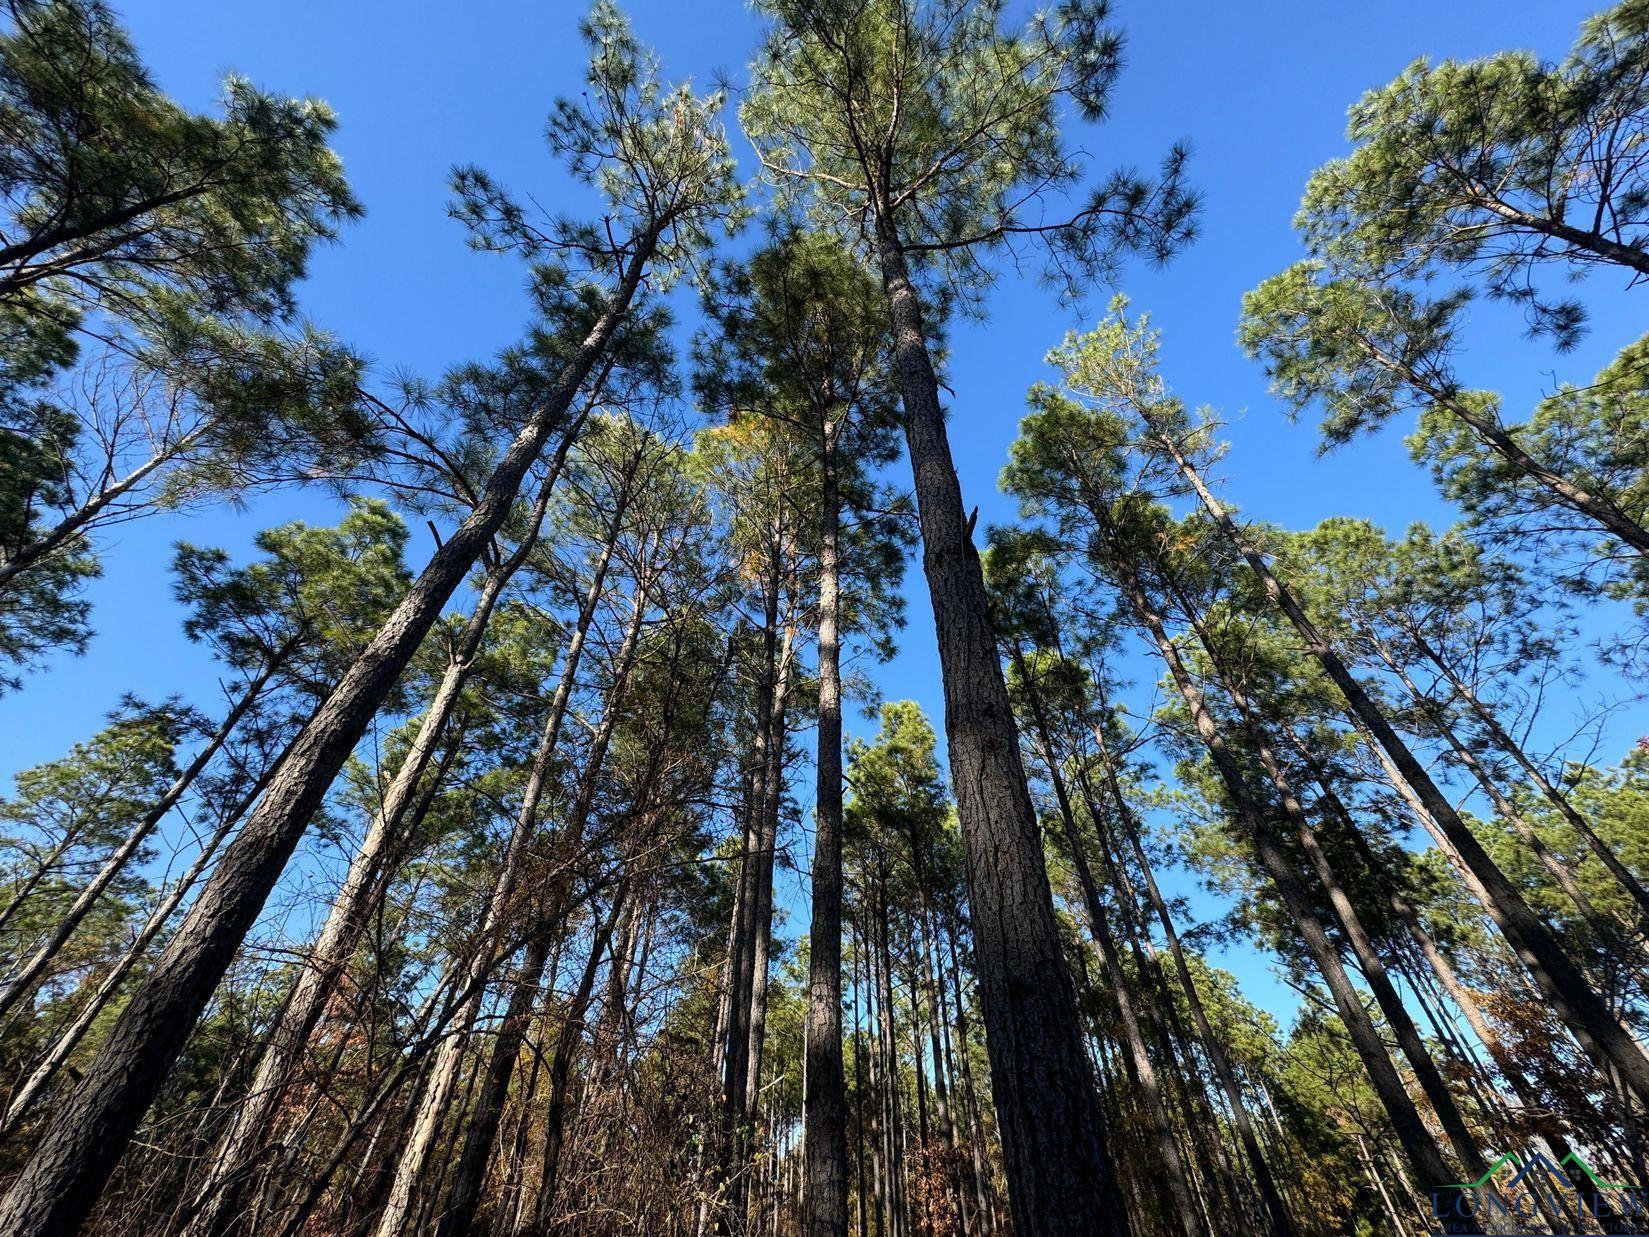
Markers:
{"x": 1259, "y": 90}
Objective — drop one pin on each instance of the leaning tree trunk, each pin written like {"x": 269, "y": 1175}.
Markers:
{"x": 561, "y": 1065}
{"x": 1563, "y": 491}
{"x": 1442, "y": 970}
{"x": 91, "y": 1008}
{"x": 1608, "y": 929}
{"x": 1602, "y": 850}
{"x": 1139, "y": 1058}
{"x": 1345, "y": 912}
{"x": 464, "y": 1195}
{"x": 71, "y": 1163}
{"x": 760, "y": 959}
{"x": 351, "y": 910}
{"x": 438, "y": 1091}
{"x": 19, "y": 983}
{"x": 824, "y": 1095}
{"x": 1054, "y": 1146}
{"x": 734, "y": 1047}
{"x": 1422, "y": 1152}
{"x": 1588, "y": 1017}
{"x": 1280, "y": 1223}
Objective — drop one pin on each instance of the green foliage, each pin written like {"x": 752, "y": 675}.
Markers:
{"x": 1490, "y": 175}
{"x": 940, "y": 119}
{"x": 113, "y": 190}
{"x": 307, "y": 607}
{"x": 178, "y": 237}
{"x": 66, "y": 816}
{"x": 120, "y": 203}
{"x": 656, "y": 153}
{"x": 898, "y": 791}
{"x": 798, "y": 362}
{"x": 1497, "y": 166}
{"x": 1362, "y": 350}
{"x": 42, "y": 611}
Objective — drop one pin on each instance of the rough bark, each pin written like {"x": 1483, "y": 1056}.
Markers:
{"x": 824, "y": 1097}
{"x": 64, "y": 1177}
{"x": 438, "y": 1091}
{"x": 482, "y": 1123}
{"x": 1346, "y": 916}
{"x": 1485, "y": 715}
{"x": 561, "y": 1065}
{"x": 1140, "y": 1064}
{"x": 1057, "y": 1163}
{"x": 65, "y": 1044}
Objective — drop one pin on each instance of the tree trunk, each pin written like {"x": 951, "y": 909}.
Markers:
{"x": 20, "y": 982}
{"x": 862, "y": 1182}
{"x": 566, "y": 1048}
{"x": 1607, "y": 929}
{"x": 352, "y": 906}
{"x": 767, "y": 853}
{"x": 747, "y": 956}
{"x": 1594, "y": 1026}
{"x": 1346, "y": 916}
{"x": 1060, "y": 1177}
{"x": 887, "y": 1046}
{"x": 483, "y": 1121}
{"x": 65, "y": 1044}
{"x": 824, "y": 1098}
{"x": 1139, "y": 1058}
{"x": 1428, "y": 948}
{"x": 65, "y": 1175}
{"x": 1604, "y": 852}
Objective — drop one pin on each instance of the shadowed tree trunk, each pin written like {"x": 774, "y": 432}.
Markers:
{"x": 63, "y": 1047}
{"x": 1604, "y": 852}
{"x": 824, "y": 1098}
{"x": 1139, "y": 1058}
{"x": 1345, "y": 912}
{"x": 567, "y": 1044}
{"x": 767, "y": 852}
{"x": 74, "y": 1156}
{"x": 1054, "y": 1149}
{"x": 19, "y": 983}
{"x": 1588, "y": 1017}
{"x": 1607, "y": 929}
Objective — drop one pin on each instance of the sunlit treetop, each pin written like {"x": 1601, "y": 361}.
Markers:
{"x": 941, "y": 119}
{"x": 110, "y": 190}
{"x": 657, "y": 154}
{"x": 1496, "y": 168}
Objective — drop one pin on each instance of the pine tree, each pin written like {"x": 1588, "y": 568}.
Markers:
{"x": 886, "y": 120}
{"x": 675, "y": 185}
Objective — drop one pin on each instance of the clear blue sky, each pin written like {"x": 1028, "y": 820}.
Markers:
{"x": 1260, "y": 90}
